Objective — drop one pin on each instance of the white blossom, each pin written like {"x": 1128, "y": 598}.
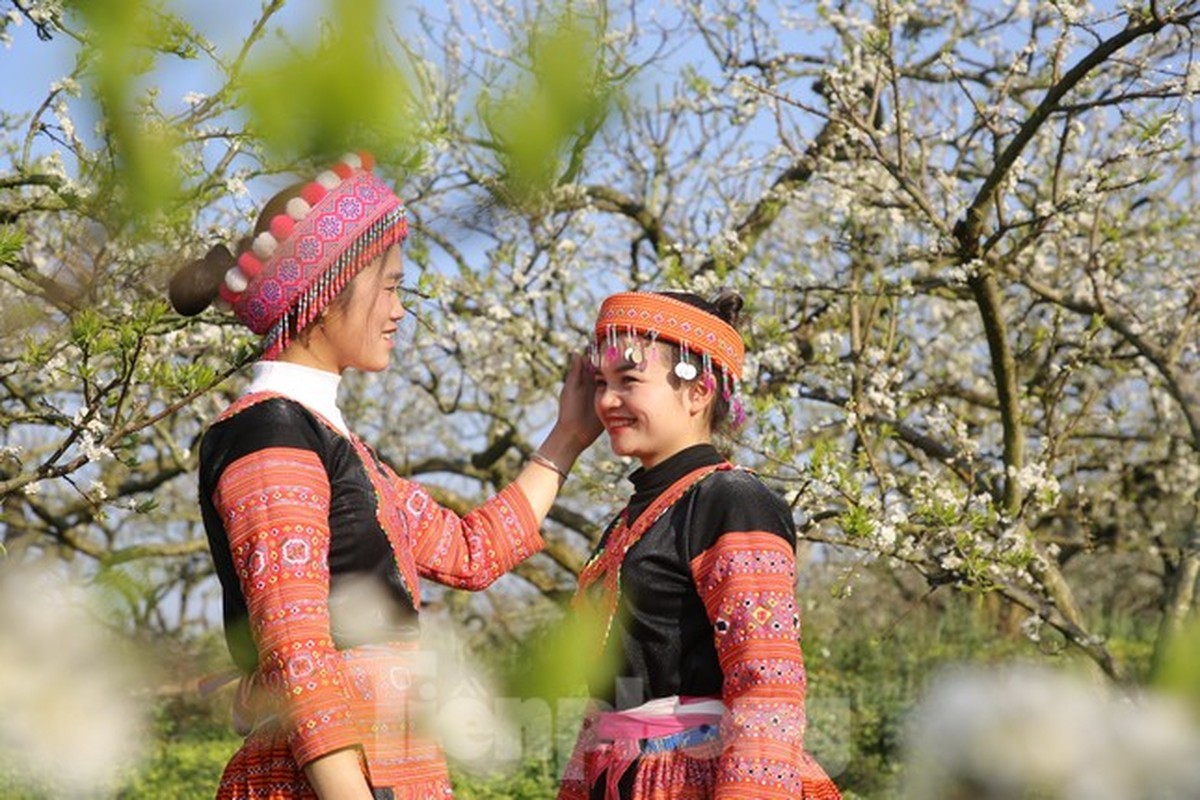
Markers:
{"x": 951, "y": 562}
{"x": 58, "y": 664}
{"x": 1013, "y": 731}
{"x": 1033, "y": 480}
{"x": 52, "y": 164}
{"x": 68, "y": 85}
{"x": 827, "y": 344}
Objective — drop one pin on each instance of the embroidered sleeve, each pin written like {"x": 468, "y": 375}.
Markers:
{"x": 746, "y": 580}
{"x": 274, "y": 504}
{"x": 471, "y": 552}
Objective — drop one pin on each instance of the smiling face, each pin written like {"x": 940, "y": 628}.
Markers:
{"x": 358, "y": 329}
{"x": 362, "y": 333}
{"x": 648, "y": 413}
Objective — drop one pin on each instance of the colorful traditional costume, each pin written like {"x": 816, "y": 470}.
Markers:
{"x": 696, "y": 577}
{"x": 317, "y": 543}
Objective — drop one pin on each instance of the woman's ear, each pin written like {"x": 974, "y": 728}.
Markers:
{"x": 702, "y": 393}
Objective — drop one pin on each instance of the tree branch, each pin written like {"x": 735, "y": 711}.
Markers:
{"x": 775, "y": 200}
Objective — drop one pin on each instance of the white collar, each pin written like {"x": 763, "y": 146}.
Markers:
{"x": 315, "y": 389}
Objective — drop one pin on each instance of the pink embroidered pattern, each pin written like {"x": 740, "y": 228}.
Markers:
{"x": 337, "y": 225}
{"x": 746, "y": 582}
{"x": 468, "y": 552}
{"x": 275, "y": 505}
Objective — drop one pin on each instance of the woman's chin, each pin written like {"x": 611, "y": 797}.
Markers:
{"x": 621, "y": 447}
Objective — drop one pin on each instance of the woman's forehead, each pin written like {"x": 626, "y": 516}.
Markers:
{"x": 634, "y": 353}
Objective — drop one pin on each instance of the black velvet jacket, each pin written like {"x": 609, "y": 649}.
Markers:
{"x": 662, "y": 638}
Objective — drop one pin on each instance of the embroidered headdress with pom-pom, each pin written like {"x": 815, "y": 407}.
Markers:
{"x": 338, "y": 224}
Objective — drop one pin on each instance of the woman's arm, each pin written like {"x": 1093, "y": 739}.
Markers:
{"x": 274, "y": 505}
{"x": 746, "y": 581}
{"x": 574, "y": 431}
{"x": 473, "y": 551}
{"x": 745, "y": 573}
{"x": 338, "y": 776}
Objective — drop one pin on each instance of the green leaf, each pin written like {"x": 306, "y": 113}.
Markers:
{"x": 544, "y": 120}
{"x": 12, "y": 240}
{"x": 342, "y": 94}
{"x": 563, "y": 659}
{"x": 124, "y": 39}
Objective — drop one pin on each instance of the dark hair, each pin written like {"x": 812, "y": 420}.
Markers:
{"x": 196, "y": 284}
{"x": 727, "y": 307}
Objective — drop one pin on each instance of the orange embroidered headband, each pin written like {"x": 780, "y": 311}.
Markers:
{"x": 660, "y": 317}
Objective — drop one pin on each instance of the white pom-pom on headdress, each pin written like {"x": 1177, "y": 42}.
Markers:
{"x": 298, "y": 208}
{"x": 235, "y": 280}
{"x": 264, "y": 245}
{"x": 352, "y": 160}
{"x": 329, "y": 179}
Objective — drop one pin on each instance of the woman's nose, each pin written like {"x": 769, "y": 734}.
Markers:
{"x": 606, "y": 398}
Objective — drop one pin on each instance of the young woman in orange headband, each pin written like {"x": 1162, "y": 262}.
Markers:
{"x": 318, "y": 544}
{"x": 694, "y": 581}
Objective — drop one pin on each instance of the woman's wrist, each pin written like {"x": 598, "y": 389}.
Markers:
{"x": 564, "y": 445}
{"x": 543, "y": 460}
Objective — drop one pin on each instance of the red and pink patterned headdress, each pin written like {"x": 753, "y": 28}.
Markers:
{"x": 339, "y": 223}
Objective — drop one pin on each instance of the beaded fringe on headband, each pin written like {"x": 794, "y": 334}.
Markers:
{"x": 634, "y": 351}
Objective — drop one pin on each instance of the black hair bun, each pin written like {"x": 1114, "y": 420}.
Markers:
{"x": 728, "y": 304}
{"x": 197, "y": 283}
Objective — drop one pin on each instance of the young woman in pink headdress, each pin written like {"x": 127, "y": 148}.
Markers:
{"x": 318, "y": 545}
{"x": 694, "y": 580}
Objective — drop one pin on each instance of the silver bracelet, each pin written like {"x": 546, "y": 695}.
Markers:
{"x": 542, "y": 459}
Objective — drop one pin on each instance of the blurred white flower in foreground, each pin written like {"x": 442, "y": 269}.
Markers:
{"x": 68, "y": 724}
{"x": 1024, "y": 731}
{"x": 445, "y": 689}
{"x": 471, "y": 720}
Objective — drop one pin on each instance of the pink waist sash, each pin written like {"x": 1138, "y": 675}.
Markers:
{"x": 624, "y": 729}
